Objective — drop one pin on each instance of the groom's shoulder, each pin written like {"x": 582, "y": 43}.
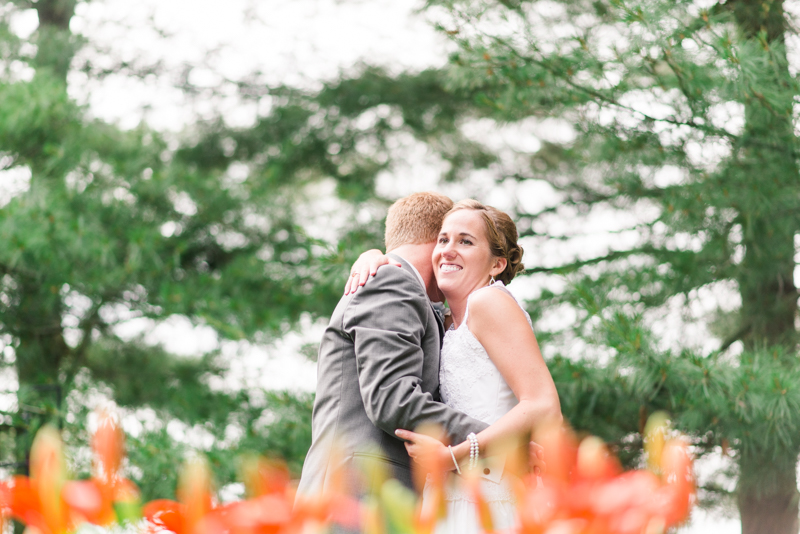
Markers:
{"x": 391, "y": 280}
{"x": 393, "y": 273}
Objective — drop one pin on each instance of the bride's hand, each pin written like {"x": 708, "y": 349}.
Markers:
{"x": 427, "y": 451}
{"x": 365, "y": 266}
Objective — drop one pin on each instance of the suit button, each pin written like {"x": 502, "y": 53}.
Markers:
{"x": 486, "y": 471}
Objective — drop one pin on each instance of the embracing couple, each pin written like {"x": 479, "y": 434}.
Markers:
{"x": 390, "y": 361}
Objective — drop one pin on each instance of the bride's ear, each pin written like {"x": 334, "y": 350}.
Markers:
{"x": 499, "y": 266}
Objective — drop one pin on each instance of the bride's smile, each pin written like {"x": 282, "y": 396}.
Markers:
{"x": 462, "y": 257}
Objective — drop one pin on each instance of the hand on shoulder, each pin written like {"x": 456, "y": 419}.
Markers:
{"x": 386, "y": 285}
{"x": 365, "y": 266}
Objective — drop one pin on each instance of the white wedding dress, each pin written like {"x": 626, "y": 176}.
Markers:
{"x": 470, "y": 383}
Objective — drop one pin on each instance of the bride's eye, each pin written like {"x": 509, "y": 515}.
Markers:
{"x": 466, "y": 241}
{"x": 442, "y": 240}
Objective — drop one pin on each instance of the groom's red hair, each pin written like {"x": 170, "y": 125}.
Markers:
{"x": 415, "y": 219}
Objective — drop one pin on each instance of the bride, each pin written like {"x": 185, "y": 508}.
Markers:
{"x": 490, "y": 367}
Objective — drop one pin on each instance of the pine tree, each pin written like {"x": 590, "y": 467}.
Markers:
{"x": 682, "y": 121}
{"x": 116, "y": 224}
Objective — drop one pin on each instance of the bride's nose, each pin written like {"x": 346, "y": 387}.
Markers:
{"x": 447, "y": 251}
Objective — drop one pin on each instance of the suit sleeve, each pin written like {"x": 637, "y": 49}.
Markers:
{"x": 386, "y": 320}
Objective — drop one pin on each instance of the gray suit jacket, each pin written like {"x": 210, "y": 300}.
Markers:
{"x": 378, "y": 371}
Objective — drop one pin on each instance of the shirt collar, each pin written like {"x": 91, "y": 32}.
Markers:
{"x": 416, "y": 272}
{"x": 438, "y": 307}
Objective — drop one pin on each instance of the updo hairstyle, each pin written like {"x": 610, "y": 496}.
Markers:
{"x": 502, "y": 235}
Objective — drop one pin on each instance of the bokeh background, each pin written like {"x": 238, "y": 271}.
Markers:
{"x": 184, "y": 185}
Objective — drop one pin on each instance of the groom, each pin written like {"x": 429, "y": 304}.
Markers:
{"x": 379, "y": 359}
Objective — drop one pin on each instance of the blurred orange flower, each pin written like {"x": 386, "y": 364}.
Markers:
{"x": 584, "y": 491}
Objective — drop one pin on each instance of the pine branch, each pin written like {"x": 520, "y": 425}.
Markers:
{"x": 15, "y": 271}
{"x": 574, "y": 266}
{"x": 730, "y": 340}
{"x": 682, "y": 82}
{"x": 597, "y": 95}
{"x": 78, "y": 354}
{"x": 24, "y": 4}
{"x": 532, "y": 233}
{"x": 143, "y": 375}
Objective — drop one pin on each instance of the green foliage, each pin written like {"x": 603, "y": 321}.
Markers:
{"x": 212, "y": 224}
{"x": 284, "y": 431}
{"x": 155, "y": 458}
{"x": 280, "y": 429}
{"x": 678, "y": 119}
{"x": 148, "y": 376}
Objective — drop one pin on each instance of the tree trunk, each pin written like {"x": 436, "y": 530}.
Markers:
{"x": 38, "y": 327}
{"x": 767, "y": 487}
{"x": 56, "y": 46}
{"x": 39, "y": 355}
{"x": 37, "y": 323}
{"x": 38, "y": 360}
{"x": 768, "y": 495}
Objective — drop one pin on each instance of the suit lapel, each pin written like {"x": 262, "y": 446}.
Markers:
{"x": 439, "y": 314}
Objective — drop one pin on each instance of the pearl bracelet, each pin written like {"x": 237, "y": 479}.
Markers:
{"x": 453, "y": 456}
{"x": 474, "y": 451}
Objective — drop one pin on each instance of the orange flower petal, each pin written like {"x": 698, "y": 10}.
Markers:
{"x": 165, "y": 513}
{"x": 85, "y": 498}
{"x": 108, "y": 444}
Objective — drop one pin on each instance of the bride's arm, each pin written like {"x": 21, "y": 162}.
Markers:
{"x": 500, "y": 325}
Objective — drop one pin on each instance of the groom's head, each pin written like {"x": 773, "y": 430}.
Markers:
{"x": 415, "y": 219}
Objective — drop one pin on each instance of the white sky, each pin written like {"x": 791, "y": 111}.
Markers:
{"x": 298, "y": 43}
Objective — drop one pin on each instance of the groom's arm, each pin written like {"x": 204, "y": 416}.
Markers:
{"x": 386, "y": 320}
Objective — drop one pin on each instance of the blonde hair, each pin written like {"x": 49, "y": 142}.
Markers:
{"x": 415, "y": 219}
{"x": 502, "y": 235}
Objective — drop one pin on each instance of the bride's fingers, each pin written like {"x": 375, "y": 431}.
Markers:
{"x": 406, "y": 435}
{"x": 413, "y": 452}
{"x": 366, "y": 267}
{"x": 363, "y": 276}
{"x": 351, "y": 284}
{"x": 357, "y": 279}
{"x": 380, "y": 262}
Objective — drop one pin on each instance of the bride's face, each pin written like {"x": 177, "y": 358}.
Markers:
{"x": 462, "y": 259}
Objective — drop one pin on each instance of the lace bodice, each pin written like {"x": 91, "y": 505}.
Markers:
{"x": 468, "y": 380}
{"x": 470, "y": 383}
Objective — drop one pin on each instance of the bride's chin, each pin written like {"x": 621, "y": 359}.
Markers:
{"x": 440, "y": 281}
{"x": 448, "y": 288}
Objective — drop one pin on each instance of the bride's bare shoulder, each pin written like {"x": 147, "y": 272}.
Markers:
{"x": 494, "y": 305}
{"x": 491, "y": 296}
